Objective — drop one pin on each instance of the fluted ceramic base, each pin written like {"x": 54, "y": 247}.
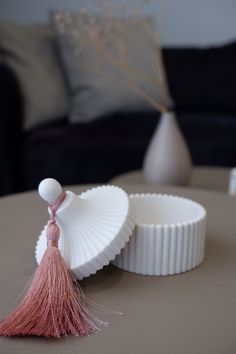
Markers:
{"x": 169, "y": 237}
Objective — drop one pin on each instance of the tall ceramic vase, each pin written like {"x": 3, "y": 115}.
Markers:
{"x": 167, "y": 160}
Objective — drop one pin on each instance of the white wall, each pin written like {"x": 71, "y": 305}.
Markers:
{"x": 183, "y": 22}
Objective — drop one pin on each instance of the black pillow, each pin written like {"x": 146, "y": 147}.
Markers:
{"x": 202, "y": 79}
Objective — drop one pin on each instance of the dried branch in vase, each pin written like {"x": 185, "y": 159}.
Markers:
{"x": 112, "y": 44}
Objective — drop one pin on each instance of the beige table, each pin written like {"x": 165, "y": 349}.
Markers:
{"x": 189, "y": 313}
{"x": 211, "y": 178}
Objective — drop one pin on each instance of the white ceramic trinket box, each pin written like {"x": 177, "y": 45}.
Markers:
{"x": 150, "y": 234}
{"x": 169, "y": 236}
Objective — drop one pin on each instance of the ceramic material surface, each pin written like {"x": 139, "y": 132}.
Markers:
{"x": 169, "y": 237}
{"x": 94, "y": 228}
{"x": 167, "y": 159}
{"x": 232, "y": 182}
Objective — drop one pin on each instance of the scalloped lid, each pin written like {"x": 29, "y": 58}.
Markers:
{"x": 94, "y": 226}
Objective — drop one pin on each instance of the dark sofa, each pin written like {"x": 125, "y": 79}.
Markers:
{"x": 202, "y": 83}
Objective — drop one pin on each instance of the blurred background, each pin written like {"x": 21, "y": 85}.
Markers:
{"x": 59, "y": 117}
{"x": 184, "y": 22}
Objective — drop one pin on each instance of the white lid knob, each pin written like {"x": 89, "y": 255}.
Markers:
{"x": 50, "y": 190}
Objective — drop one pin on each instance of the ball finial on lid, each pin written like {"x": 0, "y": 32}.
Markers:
{"x": 50, "y": 190}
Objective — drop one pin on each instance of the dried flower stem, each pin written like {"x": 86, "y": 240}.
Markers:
{"x": 109, "y": 41}
{"x": 131, "y": 83}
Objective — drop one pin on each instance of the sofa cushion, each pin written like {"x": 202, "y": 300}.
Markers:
{"x": 31, "y": 52}
{"x": 111, "y": 64}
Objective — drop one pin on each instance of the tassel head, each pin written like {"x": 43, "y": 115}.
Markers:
{"x": 52, "y": 234}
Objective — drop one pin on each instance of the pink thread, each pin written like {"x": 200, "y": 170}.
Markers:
{"x": 53, "y": 231}
{"x": 54, "y": 305}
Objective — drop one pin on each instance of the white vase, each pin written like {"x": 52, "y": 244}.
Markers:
{"x": 167, "y": 159}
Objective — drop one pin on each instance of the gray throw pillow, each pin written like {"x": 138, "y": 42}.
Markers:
{"x": 31, "y": 53}
{"x": 112, "y": 65}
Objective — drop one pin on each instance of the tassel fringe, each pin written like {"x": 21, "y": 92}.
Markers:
{"x": 54, "y": 305}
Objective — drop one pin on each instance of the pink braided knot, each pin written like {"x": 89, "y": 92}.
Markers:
{"x": 53, "y": 231}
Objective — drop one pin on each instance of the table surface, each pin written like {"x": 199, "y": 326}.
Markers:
{"x": 210, "y": 178}
{"x": 189, "y": 313}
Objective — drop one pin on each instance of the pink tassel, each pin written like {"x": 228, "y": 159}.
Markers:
{"x": 54, "y": 305}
